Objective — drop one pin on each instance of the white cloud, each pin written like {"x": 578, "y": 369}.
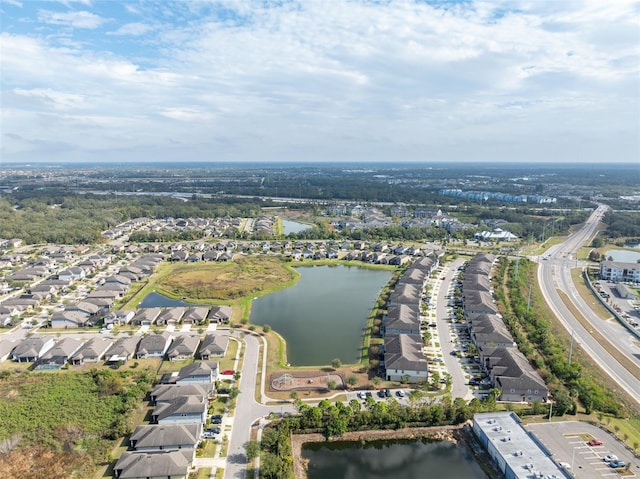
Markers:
{"x": 337, "y": 80}
{"x": 79, "y": 19}
{"x": 15, "y": 3}
{"x": 133, "y": 29}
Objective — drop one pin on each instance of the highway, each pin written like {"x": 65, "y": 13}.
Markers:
{"x": 554, "y": 275}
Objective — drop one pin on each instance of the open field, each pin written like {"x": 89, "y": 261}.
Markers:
{"x": 245, "y": 276}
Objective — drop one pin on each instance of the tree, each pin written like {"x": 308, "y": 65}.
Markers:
{"x": 266, "y": 328}
{"x": 331, "y": 384}
{"x": 352, "y": 380}
{"x": 376, "y": 381}
{"x": 252, "y": 448}
{"x": 336, "y": 363}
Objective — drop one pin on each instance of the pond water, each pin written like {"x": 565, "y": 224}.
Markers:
{"x": 406, "y": 459}
{"x": 323, "y": 316}
{"x": 156, "y": 300}
{"x": 623, "y": 256}
{"x": 293, "y": 226}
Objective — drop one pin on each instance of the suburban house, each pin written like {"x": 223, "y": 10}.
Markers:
{"x": 405, "y": 294}
{"x": 171, "y": 315}
{"x": 5, "y": 349}
{"x": 497, "y": 234}
{"x": 73, "y": 273}
{"x": 478, "y": 302}
{"x": 153, "y": 345}
{"x": 58, "y": 355}
{"x": 195, "y": 315}
{"x": 166, "y": 437}
{"x": 31, "y": 349}
{"x": 119, "y": 317}
{"x": 146, "y": 316}
{"x": 403, "y": 358}
{"x": 512, "y": 374}
{"x": 122, "y": 350}
{"x": 117, "y": 282}
{"x": 70, "y": 319}
{"x": 169, "y": 392}
{"x": 92, "y": 351}
{"x": 182, "y": 410}
{"x": 220, "y": 314}
{"x": 489, "y": 330}
{"x": 200, "y": 372}
{"x": 402, "y": 319}
{"x": 183, "y": 347}
{"x": 152, "y": 465}
{"x": 213, "y": 346}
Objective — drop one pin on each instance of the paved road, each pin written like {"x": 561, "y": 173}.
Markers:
{"x": 247, "y": 412}
{"x": 554, "y": 274}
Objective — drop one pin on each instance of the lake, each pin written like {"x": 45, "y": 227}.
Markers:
{"x": 398, "y": 459}
{"x": 623, "y": 256}
{"x": 156, "y": 300}
{"x": 323, "y": 316}
{"x": 293, "y": 226}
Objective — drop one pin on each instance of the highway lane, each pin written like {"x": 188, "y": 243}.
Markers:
{"x": 554, "y": 275}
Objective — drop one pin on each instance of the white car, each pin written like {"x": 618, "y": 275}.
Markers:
{"x": 610, "y": 457}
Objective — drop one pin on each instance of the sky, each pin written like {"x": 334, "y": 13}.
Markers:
{"x": 320, "y": 80}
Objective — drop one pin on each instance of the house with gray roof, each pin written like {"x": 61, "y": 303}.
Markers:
{"x": 195, "y": 315}
{"x": 92, "y": 351}
{"x": 183, "y": 347}
{"x": 402, "y": 319}
{"x": 513, "y": 375}
{"x": 166, "y": 437}
{"x": 70, "y": 319}
{"x": 405, "y": 294}
{"x": 146, "y": 316}
{"x": 59, "y": 354}
{"x": 213, "y": 346}
{"x": 403, "y": 358}
{"x": 31, "y": 349}
{"x": 182, "y": 410}
{"x": 170, "y": 392}
{"x": 122, "y": 350}
{"x": 220, "y": 314}
{"x": 489, "y": 330}
{"x": 6, "y": 347}
{"x": 171, "y": 315}
{"x": 145, "y": 465}
{"x": 199, "y": 372}
{"x": 154, "y": 345}
{"x": 478, "y": 302}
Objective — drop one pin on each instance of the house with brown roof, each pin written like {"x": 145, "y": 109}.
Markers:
{"x": 166, "y": 437}
{"x": 403, "y": 358}
{"x": 182, "y": 410}
{"x": 31, "y": 349}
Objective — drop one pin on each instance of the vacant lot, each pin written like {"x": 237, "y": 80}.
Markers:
{"x": 245, "y": 276}
{"x": 66, "y": 419}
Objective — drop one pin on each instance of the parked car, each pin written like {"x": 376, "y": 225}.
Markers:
{"x": 595, "y": 442}
{"x": 213, "y": 430}
{"x": 617, "y": 464}
{"x": 368, "y": 394}
{"x": 610, "y": 457}
{"x": 381, "y": 394}
{"x": 208, "y": 435}
{"x": 216, "y": 420}
{"x": 400, "y": 393}
{"x": 387, "y": 393}
{"x": 228, "y": 372}
{"x": 362, "y": 395}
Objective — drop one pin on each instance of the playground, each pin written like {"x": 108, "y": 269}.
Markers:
{"x": 305, "y": 382}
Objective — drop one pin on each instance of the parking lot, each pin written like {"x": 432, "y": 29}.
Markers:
{"x": 567, "y": 443}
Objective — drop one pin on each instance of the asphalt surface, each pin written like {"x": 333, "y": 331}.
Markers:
{"x": 554, "y": 274}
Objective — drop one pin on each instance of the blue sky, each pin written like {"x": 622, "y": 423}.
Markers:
{"x": 320, "y": 80}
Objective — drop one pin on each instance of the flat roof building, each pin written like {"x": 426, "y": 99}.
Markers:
{"x": 517, "y": 453}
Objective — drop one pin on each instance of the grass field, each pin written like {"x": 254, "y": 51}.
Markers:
{"x": 245, "y": 276}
